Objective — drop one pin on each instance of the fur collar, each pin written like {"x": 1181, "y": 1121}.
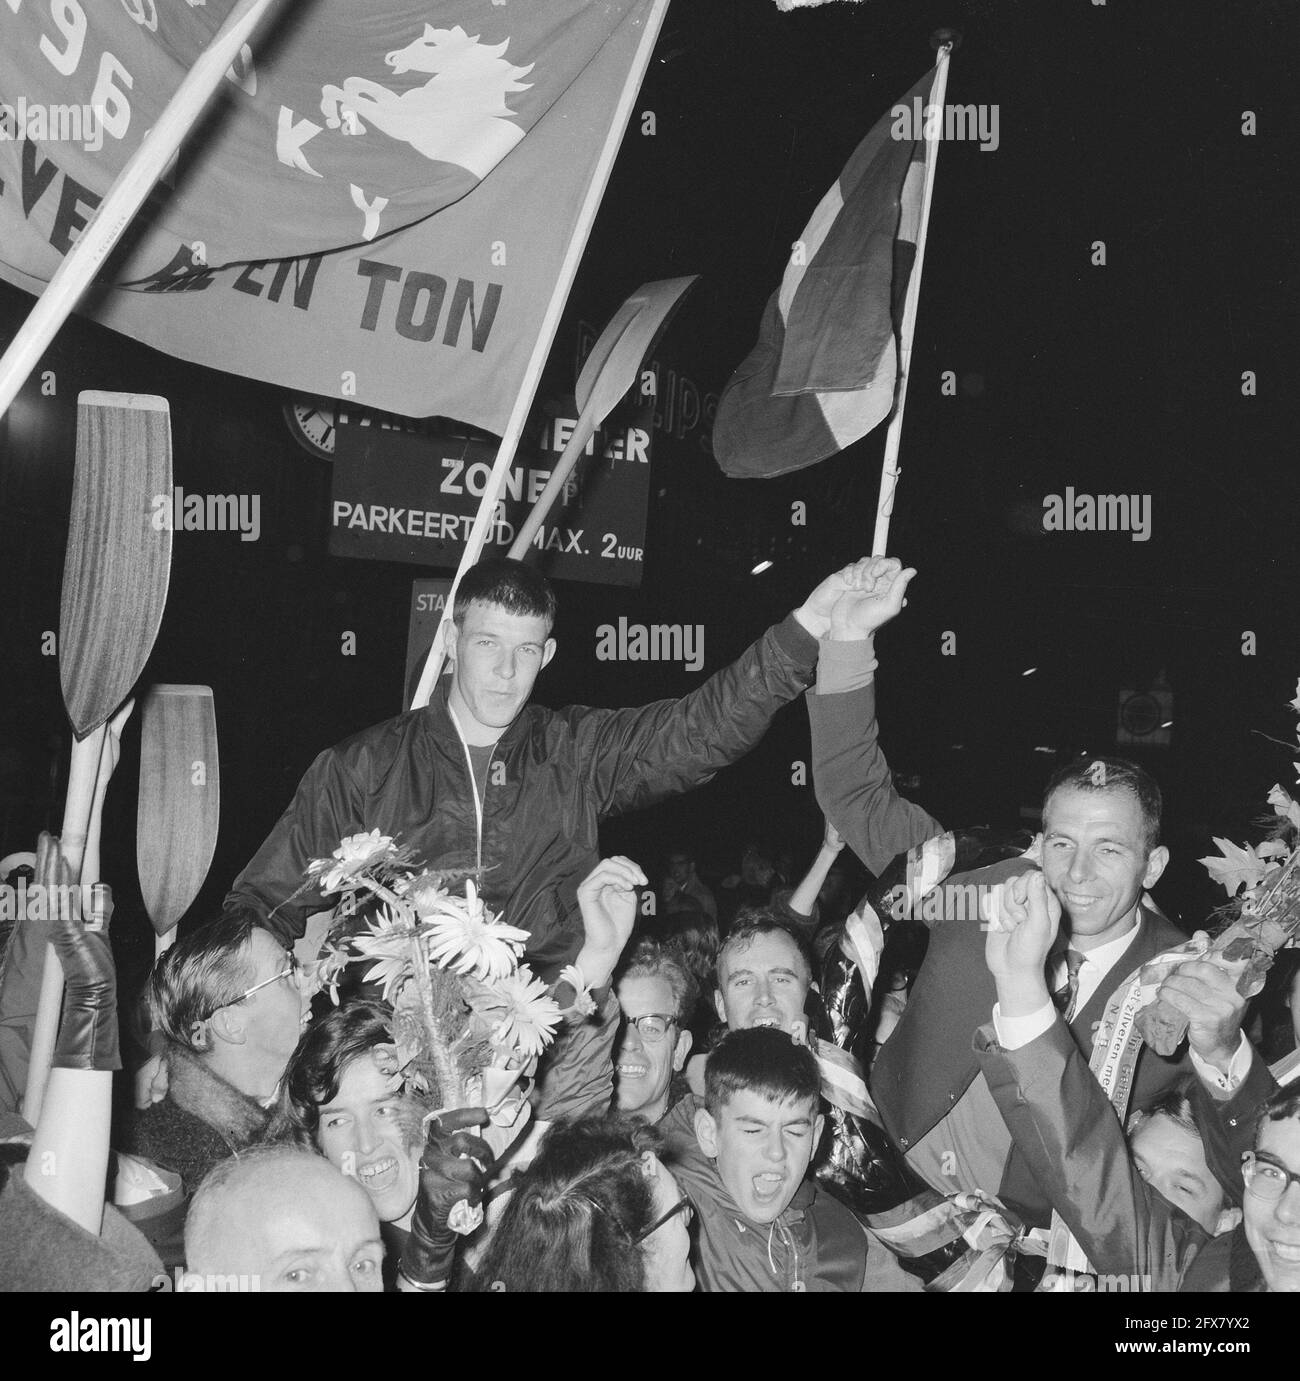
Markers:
{"x": 195, "y": 1089}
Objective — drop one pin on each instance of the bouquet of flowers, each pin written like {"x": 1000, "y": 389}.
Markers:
{"x": 468, "y": 1017}
{"x": 1263, "y": 917}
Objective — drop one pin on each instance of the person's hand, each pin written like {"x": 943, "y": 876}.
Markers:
{"x": 876, "y": 592}
{"x": 111, "y": 753}
{"x": 832, "y": 840}
{"x": 151, "y": 1082}
{"x": 1207, "y": 996}
{"x": 815, "y": 612}
{"x": 454, "y": 1168}
{"x": 1022, "y": 919}
{"x": 88, "y": 1037}
{"x": 607, "y": 900}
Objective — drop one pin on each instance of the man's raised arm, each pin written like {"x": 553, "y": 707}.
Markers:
{"x": 854, "y": 785}
{"x": 639, "y": 756}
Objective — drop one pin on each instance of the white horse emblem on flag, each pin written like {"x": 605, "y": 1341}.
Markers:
{"x": 458, "y": 116}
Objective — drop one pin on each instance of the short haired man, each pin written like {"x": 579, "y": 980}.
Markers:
{"x": 1143, "y": 1212}
{"x": 282, "y": 1220}
{"x": 763, "y": 977}
{"x": 1099, "y": 852}
{"x": 655, "y": 998}
{"x": 482, "y": 778}
{"x": 762, "y": 1224}
{"x": 1271, "y": 1223}
{"x": 228, "y": 1000}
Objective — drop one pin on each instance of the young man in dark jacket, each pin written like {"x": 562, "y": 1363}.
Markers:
{"x": 481, "y": 778}
{"x": 761, "y": 1225}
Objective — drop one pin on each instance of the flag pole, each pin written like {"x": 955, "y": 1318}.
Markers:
{"x": 889, "y": 470}
{"x": 125, "y": 197}
{"x": 542, "y": 346}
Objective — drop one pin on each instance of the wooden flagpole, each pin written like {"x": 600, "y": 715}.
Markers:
{"x": 542, "y": 345}
{"x": 131, "y": 186}
{"x": 889, "y": 470}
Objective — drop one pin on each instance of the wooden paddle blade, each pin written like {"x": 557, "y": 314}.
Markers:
{"x": 179, "y": 812}
{"x": 118, "y": 561}
{"x": 633, "y": 331}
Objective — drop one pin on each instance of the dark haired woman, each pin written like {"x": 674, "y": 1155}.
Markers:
{"x": 598, "y": 1212}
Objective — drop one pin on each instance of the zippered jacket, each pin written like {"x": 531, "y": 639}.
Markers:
{"x": 555, "y": 774}
{"x": 815, "y": 1245}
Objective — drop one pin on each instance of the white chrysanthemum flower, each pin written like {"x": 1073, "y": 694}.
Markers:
{"x": 388, "y": 941}
{"x": 529, "y": 1015}
{"x": 583, "y": 1002}
{"x": 463, "y": 936}
{"x": 353, "y": 856}
{"x": 323, "y": 975}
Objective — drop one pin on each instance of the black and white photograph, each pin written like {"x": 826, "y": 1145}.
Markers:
{"x": 651, "y": 647}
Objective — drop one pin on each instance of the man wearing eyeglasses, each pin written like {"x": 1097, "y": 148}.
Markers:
{"x": 228, "y": 1000}
{"x": 1272, "y": 1204}
{"x": 655, "y": 994}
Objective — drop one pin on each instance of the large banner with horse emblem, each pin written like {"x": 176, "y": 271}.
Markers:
{"x": 385, "y": 193}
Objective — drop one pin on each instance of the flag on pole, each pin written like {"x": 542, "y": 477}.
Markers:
{"x": 377, "y": 210}
{"x": 825, "y": 368}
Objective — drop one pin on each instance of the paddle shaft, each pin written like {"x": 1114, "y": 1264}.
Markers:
{"x": 582, "y": 433}
{"x": 84, "y": 772}
{"x": 127, "y": 194}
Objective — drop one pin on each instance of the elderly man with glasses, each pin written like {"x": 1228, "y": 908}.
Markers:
{"x": 228, "y": 1000}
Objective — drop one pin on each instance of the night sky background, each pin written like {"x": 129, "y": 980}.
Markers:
{"x": 1118, "y": 122}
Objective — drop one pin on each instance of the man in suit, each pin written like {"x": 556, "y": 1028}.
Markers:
{"x": 1100, "y": 852}
{"x": 1145, "y": 1211}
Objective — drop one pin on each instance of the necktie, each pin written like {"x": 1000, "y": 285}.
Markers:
{"x": 1066, "y": 996}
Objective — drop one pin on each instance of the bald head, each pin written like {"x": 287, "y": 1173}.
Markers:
{"x": 287, "y": 1217}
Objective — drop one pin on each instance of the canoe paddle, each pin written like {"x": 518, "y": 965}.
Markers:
{"x": 180, "y": 802}
{"x": 611, "y": 369}
{"x": 115, "y": 575}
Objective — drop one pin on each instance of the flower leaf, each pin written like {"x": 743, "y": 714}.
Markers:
{"x": 1236, "y": 867}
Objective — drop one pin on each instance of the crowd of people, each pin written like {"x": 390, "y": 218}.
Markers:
{"x": 776, "y": 1085}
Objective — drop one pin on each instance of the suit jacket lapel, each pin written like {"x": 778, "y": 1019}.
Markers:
{"x": 1154, "y": 936}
